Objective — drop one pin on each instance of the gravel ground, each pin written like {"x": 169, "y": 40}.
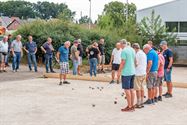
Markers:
{"x": 43, "y": 102}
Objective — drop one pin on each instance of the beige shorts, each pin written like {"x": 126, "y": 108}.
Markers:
{"x": 139, "y": 82}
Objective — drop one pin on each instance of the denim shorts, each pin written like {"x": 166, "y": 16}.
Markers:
{"x": 167, "y": 75}
{"x": 127, "y": 82}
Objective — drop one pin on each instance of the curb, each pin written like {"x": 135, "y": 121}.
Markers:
{"x": 101, "y": 79}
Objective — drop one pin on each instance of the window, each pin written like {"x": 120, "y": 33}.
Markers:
{"x": 183, "y": 26}
{"x": 182, "y": 42}
{"x": 172, "y": 26}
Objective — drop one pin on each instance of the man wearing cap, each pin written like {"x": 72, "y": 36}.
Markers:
{"x": 152, "y": 69}
{"x": 80, "y": 49}
{"x": 168, "y": 55}
{"x": 75, "y": 56}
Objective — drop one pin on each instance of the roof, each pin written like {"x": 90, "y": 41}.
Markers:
{"x": 159, "y": 5}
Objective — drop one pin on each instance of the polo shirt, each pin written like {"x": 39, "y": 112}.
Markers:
{"x": 64, "y": 53}
{"x": 153, "y": 56}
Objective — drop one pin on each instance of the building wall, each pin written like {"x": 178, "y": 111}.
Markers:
{"x": 181, "y": 52}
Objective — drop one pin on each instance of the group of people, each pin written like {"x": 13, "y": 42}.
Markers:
{"x": 136, "y": 67}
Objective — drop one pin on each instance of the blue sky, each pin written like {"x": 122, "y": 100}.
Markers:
{"x": 98, "y": 5}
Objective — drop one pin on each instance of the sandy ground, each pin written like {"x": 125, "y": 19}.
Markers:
{"x": 43, "y": 102}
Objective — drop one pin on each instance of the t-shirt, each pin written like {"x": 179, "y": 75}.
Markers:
{"x": 80, "y": 49}
{"x": 3, "y": 46}
{"x": 73, "y": 51}
{"x": 153, "y": 56}
{"x": 64, "y": 53}
{"x": 141, "y": 60}
{"x": 17, "y": 46}
{"x": 161, "y": 65}
{"x": 128, "y": 54}
{"x": 117, "y": 56}
{"x": 93, "y": 52}
{"x": 48, "y": 48}
{"x": 31, "y": 46}
{"x": 101, "y": 49}
{"x": 167, "y": 54}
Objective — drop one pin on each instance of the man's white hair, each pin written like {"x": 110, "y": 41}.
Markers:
{"x": 67, "y": 43}
{"x": 146, "y": 46}
{"x": 19, "y": 36}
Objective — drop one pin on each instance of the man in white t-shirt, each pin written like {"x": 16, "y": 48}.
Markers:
{"x": 140, "y": 76}
{"x": 3, "y": 53}
{"x": 115, "y": 61}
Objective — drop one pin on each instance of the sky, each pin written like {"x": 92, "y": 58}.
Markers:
{"x": 98, "y": 5}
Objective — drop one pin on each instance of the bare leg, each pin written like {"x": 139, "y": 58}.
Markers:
{"x": 170, "y": 87}
{"x": 160, "y": 90}
{"x": 149, "y": 93}
{"x": 128, "y": 95}
{"x": 113, "y": 74}
{"x": 132, "y": 97}
{"x": 138, "y": 95}
{"x": 142, "y": 96}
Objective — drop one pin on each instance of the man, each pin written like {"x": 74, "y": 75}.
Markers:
{"x": 102, "y": 54}
{"x": 80, "y": 49}
{"x": 127, "y": 71}
{"x": 63, "y": 59}
{"x": 75, "y": 57}
{"x": 151, "y": 44}
{"x": 152, "y": 68}
{"x": 160, "y": 76}
{"x": 123, "y": 43}
{"x": 168, "y": 55}
{"x": 3, "y": 53}
{"x": 16, "y": 48}
{"x": 48, "y": 49}
{"x": 9, "y": 49}
{"x": 31, "y": 49}
{"x": 93, "y": 54}
{"x": 140, "y": 76}
{"x": 115, "y": 61}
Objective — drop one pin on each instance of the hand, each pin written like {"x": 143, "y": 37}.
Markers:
{"x": 27, "y": 51}
{"x": 168, "y": 70}
{"x": 147, "y": 76}
{"x": 110, "y": 63}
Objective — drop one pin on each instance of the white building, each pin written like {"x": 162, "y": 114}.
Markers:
{"x": 173, "y": 14}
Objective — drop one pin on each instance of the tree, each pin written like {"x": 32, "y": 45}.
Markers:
{"x": 152, "y": 28}
{"x": 84, "y": 20}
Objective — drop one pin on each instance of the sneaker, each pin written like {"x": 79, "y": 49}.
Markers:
{"x": 60, "y": 83}
{"x": 14, "y": 71}
{"x": 159, "y": 98}
{"x": 156, "y": 99}
{"x": 66, "y": 82}
{"x": 53, "y": 72}
{"x": 165, "y": 94}
{"x": 168, "y": 96}
{"x": 112, "y": 82}
{"x": 148, "y": 102}
{"x": 118, "y": 82}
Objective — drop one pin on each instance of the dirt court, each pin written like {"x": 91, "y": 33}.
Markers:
{"x": 42, "y": 102}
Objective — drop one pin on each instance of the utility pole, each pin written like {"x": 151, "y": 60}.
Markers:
{"x": 90, "y": 12}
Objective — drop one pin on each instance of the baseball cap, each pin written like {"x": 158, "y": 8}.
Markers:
{"x": 163, "y": 43}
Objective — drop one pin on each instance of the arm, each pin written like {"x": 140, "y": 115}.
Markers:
{"x": 170, "y": 62}
{"x": 149, "y": 64}
{"x": 24, "y": 48}
{"x": 111, "y": 59}
{"x": 42, "y": 48}
{"x": 58, "y": 56}
{"x": 122, "y": 64}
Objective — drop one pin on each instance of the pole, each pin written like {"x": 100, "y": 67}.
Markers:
{"x": 90, "y": 12}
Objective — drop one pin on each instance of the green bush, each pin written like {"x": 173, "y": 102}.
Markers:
{"x": 61, "y": 31}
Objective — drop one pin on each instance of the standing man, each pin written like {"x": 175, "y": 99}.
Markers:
{"x": 80, "y": 49}
{"x": 102, "y": 54}
{"x": 152, "y": 68}
{"x": 140, "y": 76}
{"x": 127, "y": 71}
{"x": 9, "y": 49}
{"x": 48, "y": 49}
{"x": 75, "y": 56}
{"x": 16, "y": 48}
{"x": 3, "y": 53}
{"x": 168, "y": 55}
{"x": 31, "y": 49}
{"x": 63, "y": 59}
{"x": 115, "y": 61}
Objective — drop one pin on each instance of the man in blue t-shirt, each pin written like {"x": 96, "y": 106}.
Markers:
{"x": 168, "y": 55}
{"x": 63, "y": 59}
{"x": 152, "y": 68}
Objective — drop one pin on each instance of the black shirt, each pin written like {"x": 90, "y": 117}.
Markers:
{"x": 167, "y": 54}
{"x": 93, "y": 52}
{"x": 102, "y": 49}
{"x": 80, "y": 49}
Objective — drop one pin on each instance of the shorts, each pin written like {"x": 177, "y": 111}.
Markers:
{"x": 152, "y": 80}
{"x": 167, "y": 75}
{"x": 139, "y": 82}
{"x": 102, "y": 59}
{"x": 80, "y": 61}
{"x": 2, "y": 56}
{"x": 115, "y": 67}
{"x": 64, "y": 67}
{"x": 159, "y": 81}
{"x": 127, "y": 82}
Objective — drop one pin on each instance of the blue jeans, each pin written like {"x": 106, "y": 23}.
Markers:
{"x": 7, "y": 57}
{"x": 32, "y": 59}
{"x": 16, "y": 60}
{"x": 93, "y": 66}
{"x": 48, "y": 62}
{"x": 75, "y": 66}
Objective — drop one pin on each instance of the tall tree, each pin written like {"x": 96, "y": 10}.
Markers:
{"x": 84, "y": 20}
